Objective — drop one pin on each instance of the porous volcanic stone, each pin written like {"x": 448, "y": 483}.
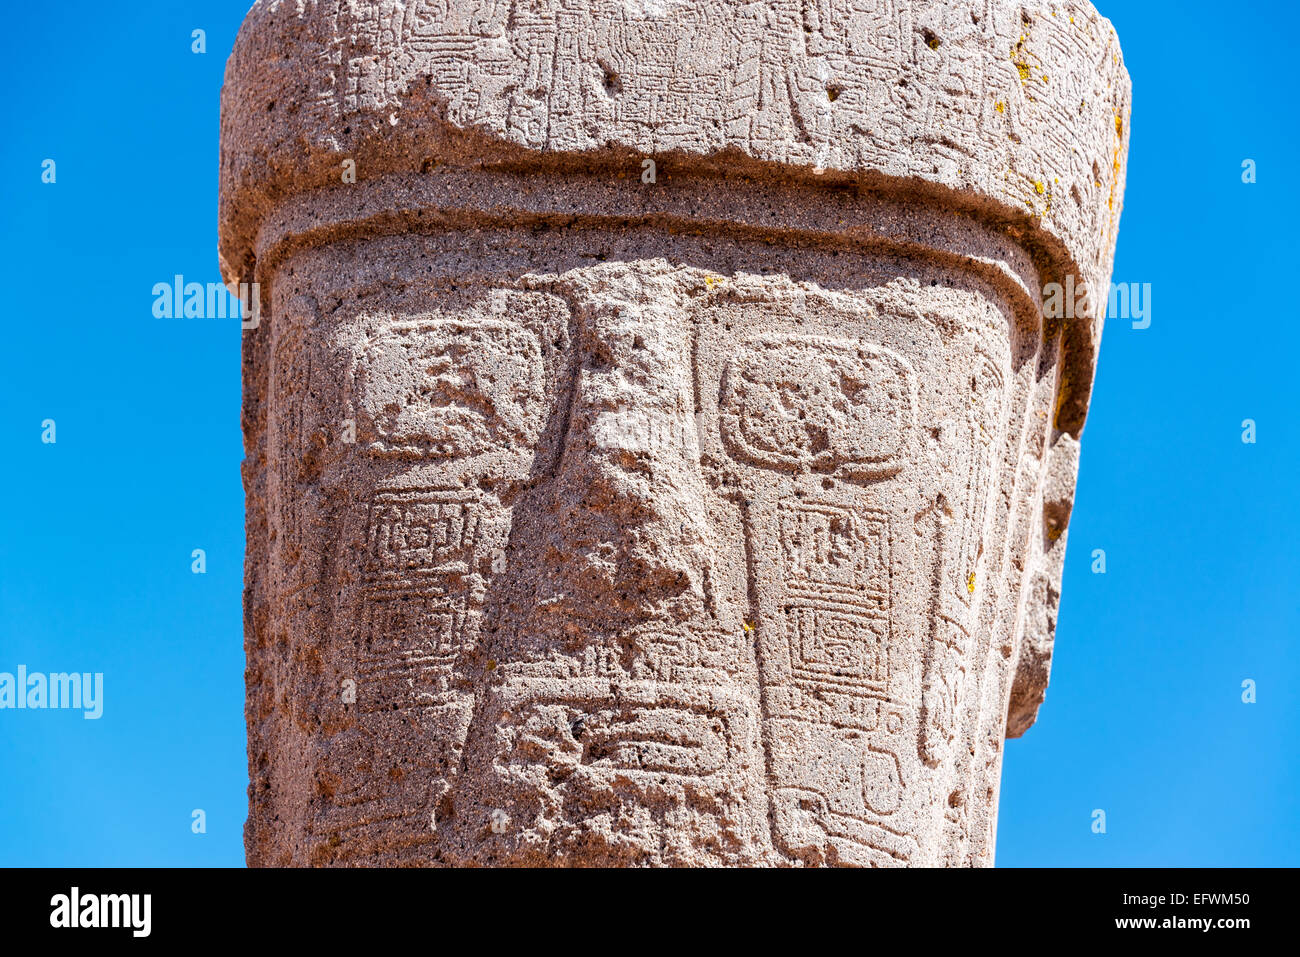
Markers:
{"x": 658, "y": 451}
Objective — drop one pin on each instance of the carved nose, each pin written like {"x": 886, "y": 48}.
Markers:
{"x": 629, "y": 536}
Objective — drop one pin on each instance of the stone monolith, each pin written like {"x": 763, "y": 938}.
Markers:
{"x": 660, "y": 446}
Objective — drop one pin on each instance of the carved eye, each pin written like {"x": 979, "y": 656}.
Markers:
{"x": 819, "y": 404}
{"x": 453, "y": 387}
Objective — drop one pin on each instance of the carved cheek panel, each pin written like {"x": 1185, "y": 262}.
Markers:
{"x": 816, "y": 424}
{"x": 450, "y": 411}
{"x": 834, "y": 552}
{"x": 858, "y": 524}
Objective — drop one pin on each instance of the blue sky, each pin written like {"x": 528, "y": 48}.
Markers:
{"x": 1144, "y": 717}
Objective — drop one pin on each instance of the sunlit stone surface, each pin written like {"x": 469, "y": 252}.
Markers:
{"x": 657, "y": 450}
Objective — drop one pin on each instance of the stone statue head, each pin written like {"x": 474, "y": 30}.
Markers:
{"x": 658, "y": 451}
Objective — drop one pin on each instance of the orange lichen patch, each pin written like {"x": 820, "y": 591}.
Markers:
{"x": 1025, "y": 62}
{"x": 1116, "y": 165}
{"x": 1116, "y": 168}
{"x": 1114, "y": 181}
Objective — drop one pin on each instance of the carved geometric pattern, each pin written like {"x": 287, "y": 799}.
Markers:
{"x": 421, "y": 540}
{"x": 837, "y": 595}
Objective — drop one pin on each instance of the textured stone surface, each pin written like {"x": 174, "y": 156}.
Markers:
{"x": 714, "y": 519}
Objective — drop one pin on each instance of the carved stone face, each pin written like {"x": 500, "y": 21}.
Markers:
{"x": 653, "y": 558}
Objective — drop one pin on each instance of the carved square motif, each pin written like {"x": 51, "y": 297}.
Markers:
{"x": 830, "y": 646}
{"x": 837, "y": 553}
{"x": 409, "y": 647}
{"x": 421, "y": 538}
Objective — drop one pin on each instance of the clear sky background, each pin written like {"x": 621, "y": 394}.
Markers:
{"x": 1144, "y": 717}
